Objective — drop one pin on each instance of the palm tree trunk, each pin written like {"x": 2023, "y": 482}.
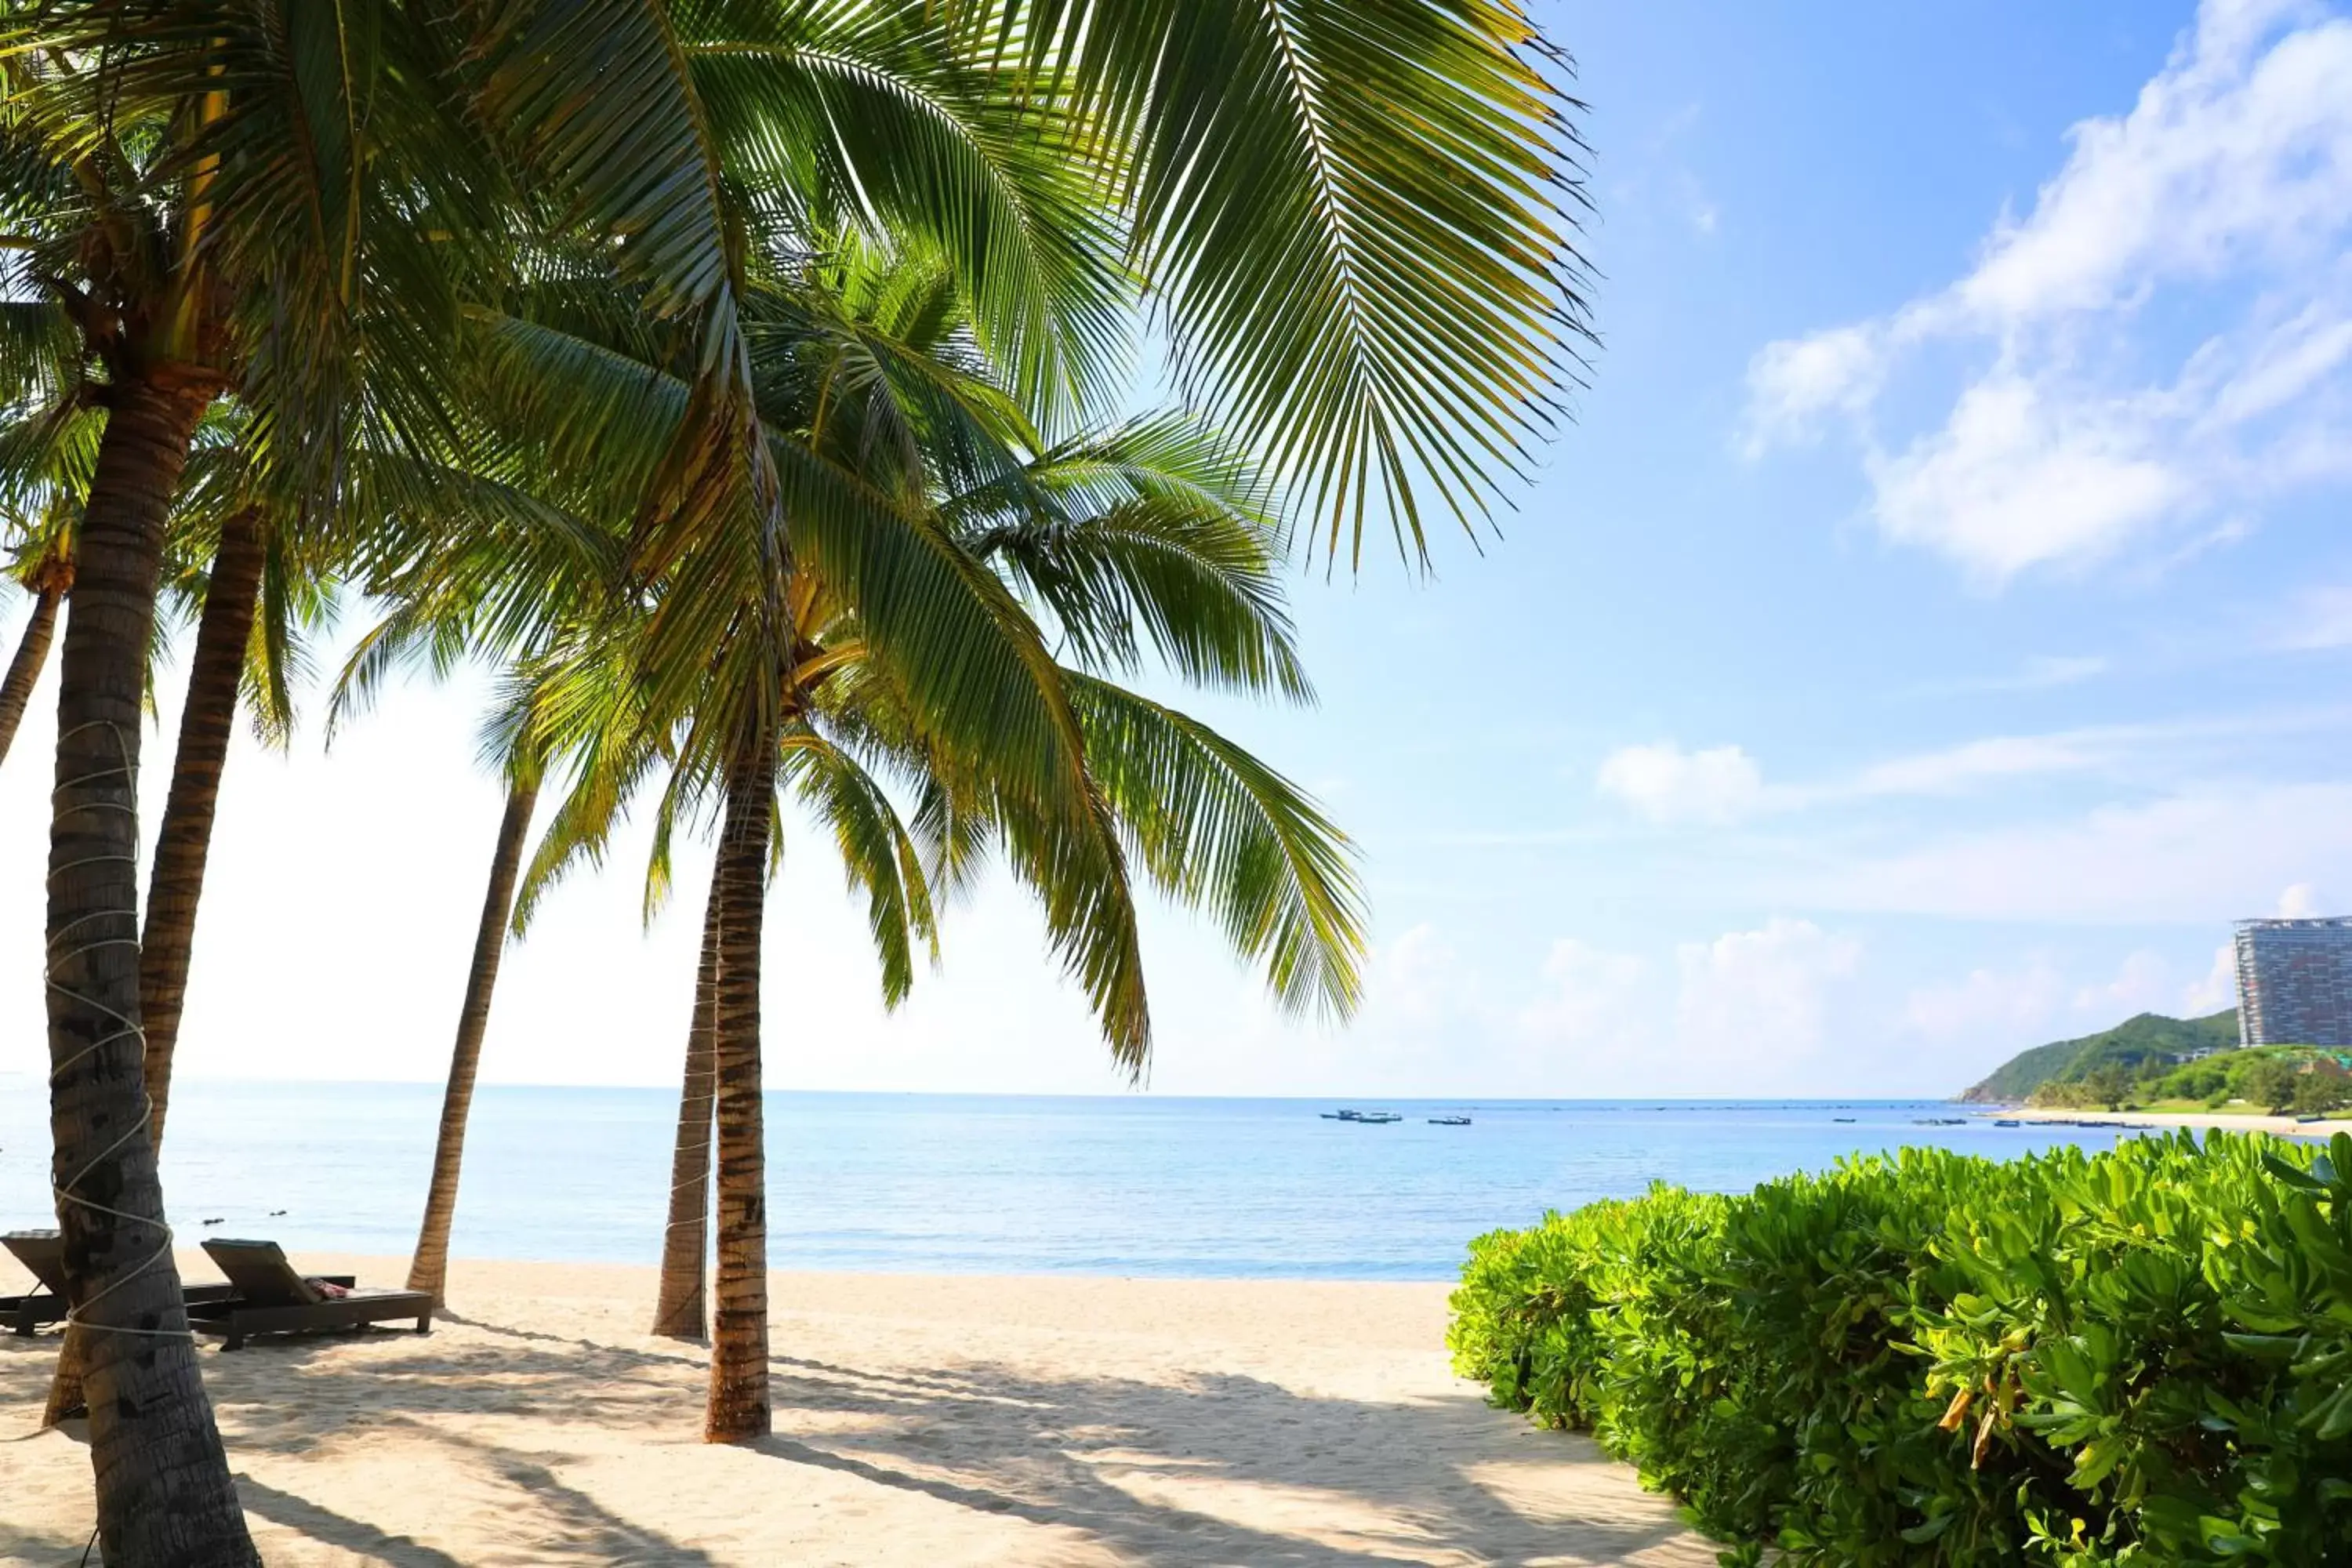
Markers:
{"x": 430, "y": 1268}
{"x": 678, "y": 1310}
{"x": 25, "y": 670}
{"x": 739, "y": 1335}
{"x": 162, "y": 1481}
{"x": 177, "y": 877}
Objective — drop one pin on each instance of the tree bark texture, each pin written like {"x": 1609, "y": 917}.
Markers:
{"x": 25, "y": 670}
{"x": 430, "y": 1268}
{"x": 163, "y": 1491}
{"x": 177, "y": 878}
{"x": 738, "y": 1408}
{"x": 679, "y": 1308}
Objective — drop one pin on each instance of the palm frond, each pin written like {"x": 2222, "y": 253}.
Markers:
{"x": 1219, "y": 829}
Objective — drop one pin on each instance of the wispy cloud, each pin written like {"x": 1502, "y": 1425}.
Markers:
{"x": 1668, "y": 784}
{"x": 2039, "y": 674}
{"x": 2196, "y": 856}
{"x": 1723, "y": 785}
{"x": 2318, "y": 618}
{"x": 2234, "y": 168}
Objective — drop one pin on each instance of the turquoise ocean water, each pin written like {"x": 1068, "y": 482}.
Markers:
{"x": 1130, "y": 1185}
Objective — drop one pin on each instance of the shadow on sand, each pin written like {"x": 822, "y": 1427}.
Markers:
{"x": 1106, "y": 1458}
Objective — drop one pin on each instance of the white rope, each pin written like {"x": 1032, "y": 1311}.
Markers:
{"x": 64, "y": 1194}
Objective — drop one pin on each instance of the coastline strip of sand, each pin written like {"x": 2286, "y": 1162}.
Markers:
{"x": 921, "y": 1422}
{"x": 2286, "y": 1125}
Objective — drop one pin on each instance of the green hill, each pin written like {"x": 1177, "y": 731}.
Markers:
{"x": 2151, "y": 1036}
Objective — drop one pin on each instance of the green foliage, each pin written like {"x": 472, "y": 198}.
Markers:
{"x": 2278, "y": 1079}
{"x": 2137, "y": 1357}
{"x": 2148, "y": 1041}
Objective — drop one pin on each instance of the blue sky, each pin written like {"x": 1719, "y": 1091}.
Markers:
{"x": 1930, "y": 636}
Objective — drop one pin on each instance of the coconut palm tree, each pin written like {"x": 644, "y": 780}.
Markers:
{"x": 47, "y": 577}
{"x": 48, "y": 446}
{"x": 1346, "y": 211}
{"x": 1147, "y": 532}
{"x": 202, "y": 204}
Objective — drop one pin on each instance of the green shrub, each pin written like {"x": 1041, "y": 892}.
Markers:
{"x": 2139, "y": 1357}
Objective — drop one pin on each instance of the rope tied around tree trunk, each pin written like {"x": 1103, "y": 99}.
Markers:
{"x": 66, "y": 1193}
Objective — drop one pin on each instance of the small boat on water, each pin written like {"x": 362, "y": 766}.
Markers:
{"x": 1841, "y": 1119}
{"x": 1370, "y": 1118}
{"x": 1449, "y": 1122}
{"x": 2009, "y": 1124}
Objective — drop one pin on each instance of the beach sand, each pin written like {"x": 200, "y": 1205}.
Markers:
{"x": 2285, "y": 1126}
{"x": 930, "y": 1421}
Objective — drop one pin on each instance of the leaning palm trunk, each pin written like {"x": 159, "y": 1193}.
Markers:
{"x": 177, "y": 878}
{"x": 739, "y": 1333}
{"x": 163, "y": 1482}
{"x": 32, "y": 652}
{"x": 678, "y": 1309}
{"x": 430, "y": 1268}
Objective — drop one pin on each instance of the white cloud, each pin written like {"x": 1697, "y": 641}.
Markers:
{"x": 2040, "y": 673}
{"x": 1987, "y": 1002}
{"x": 1759, "y": 996}
{"x": 2299, "y": 902}
{"x": 1724, "y": 784}
{"x": 2230, "y": 176}
{"x": 2218, "y": 989}
{"x": 2321, "y": 618}
{"x": 1589, "y": 1000}
{"x": 1666, "y": 784}
{"x": 2142, "y": 984}
{"x": 1974, "y": 761}
{"x": 1792, "y": 382}
{"x": 2201, "y": 856}
{"x": 2024, "y": 473}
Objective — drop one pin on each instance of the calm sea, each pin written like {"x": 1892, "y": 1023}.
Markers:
{"x": 1134, "y": 1185}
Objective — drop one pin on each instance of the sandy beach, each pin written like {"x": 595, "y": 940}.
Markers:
{"x": 2287, "y": 1126}
{"x": 932, "y": 1420}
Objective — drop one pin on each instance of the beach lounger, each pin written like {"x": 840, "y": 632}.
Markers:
{"x": 269, "y": 1297}
{"x": 43, "y": 1253}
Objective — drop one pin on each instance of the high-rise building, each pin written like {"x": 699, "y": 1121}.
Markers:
{"x": 2295, "y": 982}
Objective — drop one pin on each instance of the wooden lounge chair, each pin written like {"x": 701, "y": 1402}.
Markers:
{"x": 43, "y": 1253}
{"x": 268, "y": 1297}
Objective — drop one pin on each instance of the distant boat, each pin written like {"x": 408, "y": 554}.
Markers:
{"x": 2009, "y": 1124}
{"x": 1449, "y": 1122}
{"x": 1841, "y": 1119}
{"x": 1374, "y": 1118}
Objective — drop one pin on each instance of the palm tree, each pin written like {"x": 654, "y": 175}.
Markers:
{"x": 429, "y": 1269}
{"x": 167, "y": 192}
{"x": 48, "y": 577}
{"x": 47, "y": 446}
{"x": 1346, "y": 211}
{"x": 1146, "y": 533}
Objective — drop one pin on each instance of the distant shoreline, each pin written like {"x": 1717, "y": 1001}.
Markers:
{"x": 2285, "y": 1126}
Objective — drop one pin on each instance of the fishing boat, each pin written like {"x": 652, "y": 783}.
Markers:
{"x": 1841, "y": 1119}
{"x": 2006, "y": 1123}
{"x": 1449, "y": 1122}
